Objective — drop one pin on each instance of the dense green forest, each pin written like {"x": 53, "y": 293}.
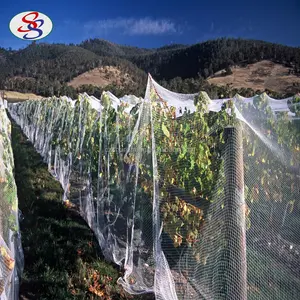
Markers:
{"x": 45, "y": 69}
{"x": 206, "y": 58}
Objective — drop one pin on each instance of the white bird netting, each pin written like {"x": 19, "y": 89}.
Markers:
{"x": 195, "y": 198}
{"x": 11, "y": 255}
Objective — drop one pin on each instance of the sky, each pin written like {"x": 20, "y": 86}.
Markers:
{"x": 155, "y": 23}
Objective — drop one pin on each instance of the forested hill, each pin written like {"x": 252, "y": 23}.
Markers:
{"x": 106, "y": 48}
{"x": 209, "y": 57}
{"x": 46, "y": 69}
{"x": 200, "y": 59}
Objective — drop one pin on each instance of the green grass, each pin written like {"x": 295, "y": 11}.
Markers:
{"x": 273, "y": 280}
{"x": 62, "y": 257}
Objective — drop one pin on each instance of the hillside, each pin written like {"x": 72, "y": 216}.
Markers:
{"x": 263, "y": 75}
{"x": 106, "y": 48}
{"x": 206, "y": 58}
{"x": 102, "y": 77}
{"x": 13, "y": 96}
{"x": 94, "y": 65}
{"x": 45, "y": 69}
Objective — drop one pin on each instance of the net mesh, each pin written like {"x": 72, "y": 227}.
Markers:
{"x": 11, "y": 255}
{"x": 195, "y": 198}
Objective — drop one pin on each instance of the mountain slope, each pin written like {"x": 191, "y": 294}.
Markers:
{"x": 46, "y": 68}
{"x": 106, "y": 48}
{"x": 209, "y": 57}
{"x": 55, "y": 69}
{"x": 102, "y": 77}
{"x": 260, "y": 76}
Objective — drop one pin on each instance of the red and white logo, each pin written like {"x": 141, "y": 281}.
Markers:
{"x": 30, "y": 25}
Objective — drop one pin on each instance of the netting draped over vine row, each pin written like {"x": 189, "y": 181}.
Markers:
{"x": 195, "y": 198}
{"x": 11, "y": 255}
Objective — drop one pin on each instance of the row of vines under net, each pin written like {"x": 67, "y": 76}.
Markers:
{"x": 11, "y": 254}
{"x": 195, "y": 198}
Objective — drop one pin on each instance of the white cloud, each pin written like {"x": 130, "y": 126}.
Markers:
{"x": 131, "y": 26}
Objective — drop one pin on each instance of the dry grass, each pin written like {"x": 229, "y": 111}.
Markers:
{"x": 16, "y": 96}
{"x": 102, "y": 77}
{"x": 260, "y": 76}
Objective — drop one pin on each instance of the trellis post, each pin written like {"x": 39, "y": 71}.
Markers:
{"x": 236, "y": 270}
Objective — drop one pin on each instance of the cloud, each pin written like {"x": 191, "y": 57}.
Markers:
{"x": 131, "y": 26}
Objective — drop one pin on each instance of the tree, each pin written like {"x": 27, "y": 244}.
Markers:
{"x": 228, "y": 71}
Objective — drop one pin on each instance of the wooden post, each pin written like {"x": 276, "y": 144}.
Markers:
{"x": 236, "y": 272}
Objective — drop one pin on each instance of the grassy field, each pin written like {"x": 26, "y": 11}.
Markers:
{"x": 62, "y": 257}
{"x": 102, "y": 77}
{"x": 260, "y": 76}
{"x": 13, "y": 96}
